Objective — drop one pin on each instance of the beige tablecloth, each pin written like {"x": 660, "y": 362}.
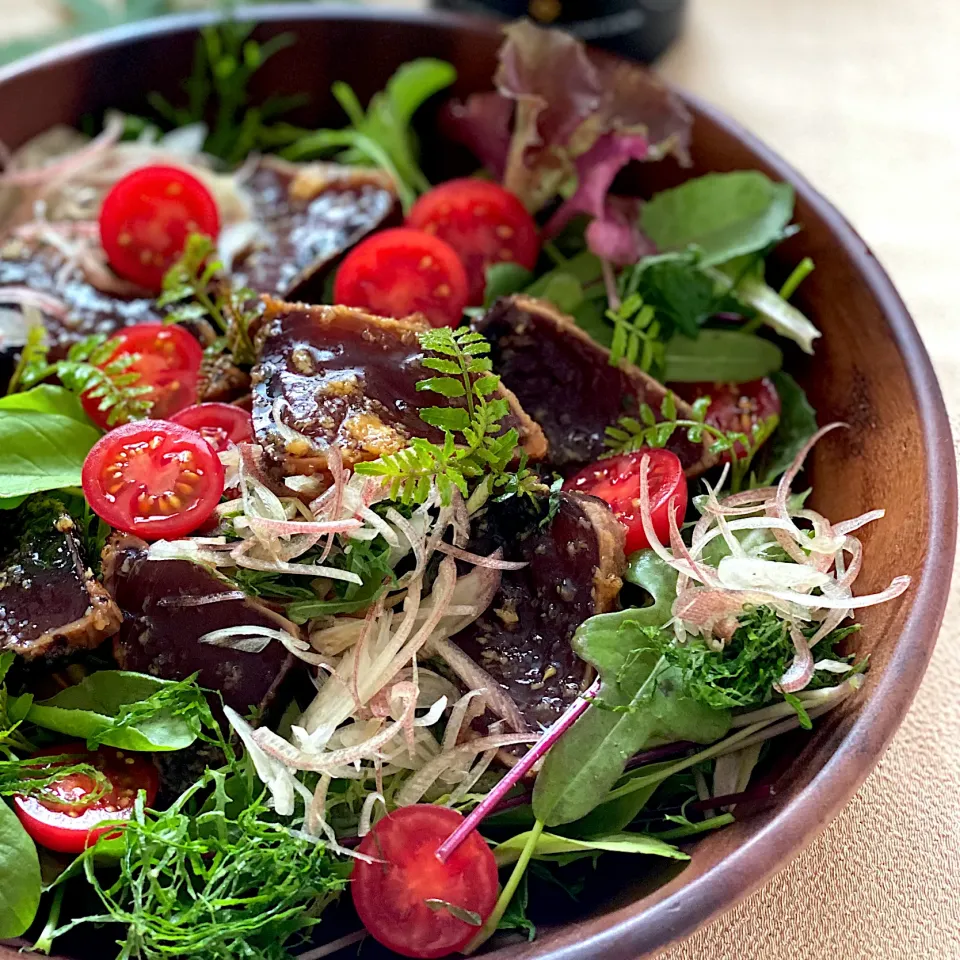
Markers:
{"x": 863, "y": 97}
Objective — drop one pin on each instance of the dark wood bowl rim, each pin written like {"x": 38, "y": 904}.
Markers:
{"x": 805, "y": 816}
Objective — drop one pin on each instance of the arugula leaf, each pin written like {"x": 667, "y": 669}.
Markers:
{"x": 723, "y": 215}
{"x": 275, "y": 586}
{"x": 798, "y": 423}
{"x": 613, "y": 815}
{"x": 225, "y": 60}
{"x": 644, "y": 699}
{"x": 551, "y": 845}
{"x": 129, "y": 711}
{"x": 382, "y": 135}
{"x": 41, "y": 451}
{"x": 564, "y": 291}
{"x": 720, "y": 356}
{"x": 20, "y": 882}
{"x": 750, "y": 287}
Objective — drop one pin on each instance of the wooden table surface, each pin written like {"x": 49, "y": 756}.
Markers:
{"x": 861, "y": 96}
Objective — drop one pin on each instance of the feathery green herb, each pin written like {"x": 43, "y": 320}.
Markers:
{"x": 636, "y": 335}
{"x": 475, "y": 445}
{"x": 630, "y": 434}
{"x": 226, "y": 58}
{"x": 26, "y": 778}
{"x": 197, "y": 285}
{"x": 744, "y": 673}
{"x": 90, "y": 368}
{"x": 214, "y": 876}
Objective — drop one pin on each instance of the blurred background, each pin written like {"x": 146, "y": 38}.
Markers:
{"x": 862, "y": 97}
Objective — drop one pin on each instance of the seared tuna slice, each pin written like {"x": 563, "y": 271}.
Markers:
{"x": 50, "y": 602}
{"x": 311, "y": 214}
{"x": 565, "y": 381}
{"x": 163, "y": 625}
{"x": 574, "y": 568}
{"x": 336, "y": 376}
{"x": 79, "y": 308}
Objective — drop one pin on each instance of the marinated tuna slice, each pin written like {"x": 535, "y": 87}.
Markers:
{"x": 338, "y": 376}
{"x": 565, "y": 381}
{"x": 75, "y": 309}
{"x": 50, "y": 602}
{"x": 163, "y": 624}
{"x": 310, "y": 215}
{"x": 575, "y": 564}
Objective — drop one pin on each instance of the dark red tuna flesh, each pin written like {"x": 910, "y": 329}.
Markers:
{"x": 575, "y": 564}
{"x": 162, "y": 638}
{"x": 565, "y": 381}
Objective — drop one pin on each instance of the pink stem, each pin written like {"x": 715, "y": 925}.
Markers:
{"x": 610, "y": 283}
{"x": 518, "y": 772}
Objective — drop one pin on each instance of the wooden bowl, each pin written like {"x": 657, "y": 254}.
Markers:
{"x": 870, "y": 370}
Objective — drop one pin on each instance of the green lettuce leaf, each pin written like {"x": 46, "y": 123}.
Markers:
{"x": 129, "y": 711}
{"x": 723, "y": 215}
{"x": 642, "y": 703}
{"x": 19, "y": 876}
{"x": 726, "y": 356}
{"x": 41, "y": 450}
{"x": 551, "y": 845}
{"x": 750, "y": 287}
{"x": 46, "y": 398}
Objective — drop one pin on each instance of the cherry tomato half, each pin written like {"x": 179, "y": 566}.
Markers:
{"x": 169, "y": 363}
{"x": 617, "y": 481}
{"x": 220, "y": 424}
{"x": 67, "y": 822}
{"x": 404, "y": 901}
{"x": 402, "y": 271}
{"x": 153, "y": 478}
{"x": 484, "y": 223}
{"x": 146, "y": 218}
{"x": 736, "y": 407}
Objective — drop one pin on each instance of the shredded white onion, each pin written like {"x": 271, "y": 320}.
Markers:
{"x": 200, "y": 601}
{"x": 366, "y": 814}
{"x": 414, "y": 789}
{"x": 493, "y": 562}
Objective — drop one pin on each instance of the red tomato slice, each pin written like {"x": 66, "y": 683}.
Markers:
{"x": 146, "y": 218}
{"x": 169, "y": 362}
{"x": 220, "y": 424}
{"x": 617, "y": 481}
{"x": 153, "y": 478}
{"x": 736, "y": 407}
{"x": 69, "y": 824}
{"x": 401, "y": 902}
{"x": 401, "y": 271}
{"x": 484, "y": 223}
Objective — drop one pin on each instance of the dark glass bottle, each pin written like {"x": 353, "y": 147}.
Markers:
{"x": 641, "y": 29}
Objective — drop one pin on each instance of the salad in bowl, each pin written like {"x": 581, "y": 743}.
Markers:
{"x": 387, "y": 545}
